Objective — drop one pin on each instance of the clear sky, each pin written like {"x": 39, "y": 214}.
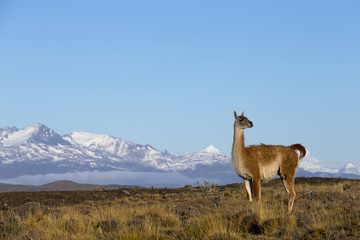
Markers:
{"x": 170, "y": 73}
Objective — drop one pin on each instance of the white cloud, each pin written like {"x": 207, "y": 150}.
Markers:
{"x": 311, "y": 164}
{"x": 351, "y": 168}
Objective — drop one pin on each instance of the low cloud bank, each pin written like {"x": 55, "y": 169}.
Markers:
{"x": 313, "y": 165}
{"x": 146, "y": 179}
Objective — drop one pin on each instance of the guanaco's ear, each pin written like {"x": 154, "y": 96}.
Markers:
{"x": 242, "y": 114}
{"x": 235, "y": 114}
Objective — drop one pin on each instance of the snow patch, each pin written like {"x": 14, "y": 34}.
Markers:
{"x": 211, "y": 149}
{"x": 21, "y": 136}
{"x": 87, "y": 139}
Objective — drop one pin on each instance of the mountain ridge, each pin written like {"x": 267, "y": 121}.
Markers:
{"x": 82, "y": 151}
{"x": 38, "y": 150}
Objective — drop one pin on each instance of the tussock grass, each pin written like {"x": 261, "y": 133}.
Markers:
{"x": 324, "y": 209}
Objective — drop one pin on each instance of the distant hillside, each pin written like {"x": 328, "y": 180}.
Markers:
{"x": 59, "y": 186}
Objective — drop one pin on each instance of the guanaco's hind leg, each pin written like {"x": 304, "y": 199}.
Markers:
{"x": 257, "y": 188}
{"x": 289, "y": 188}
{"x": 248, "y": 187}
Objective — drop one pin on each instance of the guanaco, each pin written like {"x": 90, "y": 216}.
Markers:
{"x": 263, "y": 162}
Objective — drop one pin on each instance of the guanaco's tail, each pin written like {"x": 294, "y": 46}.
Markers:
{"x": 300, "y": 148}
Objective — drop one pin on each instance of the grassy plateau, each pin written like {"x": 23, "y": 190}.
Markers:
{"x": 324, "y": 208}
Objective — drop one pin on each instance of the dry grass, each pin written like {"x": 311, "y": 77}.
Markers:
{"x": 324, "y": 209}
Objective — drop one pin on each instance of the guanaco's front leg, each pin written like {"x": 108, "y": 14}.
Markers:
{"x": 248, "y": 187}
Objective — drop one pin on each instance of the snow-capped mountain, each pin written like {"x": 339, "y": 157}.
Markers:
{"x": 38, "y": 150}
{"x": 211, "y": 149}
{"x": 35, "y": 133}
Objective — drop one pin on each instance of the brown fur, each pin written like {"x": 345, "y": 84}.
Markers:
{"x": 263, "y": 162}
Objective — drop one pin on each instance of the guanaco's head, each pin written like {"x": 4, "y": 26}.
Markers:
{"x": 242, "y": 121}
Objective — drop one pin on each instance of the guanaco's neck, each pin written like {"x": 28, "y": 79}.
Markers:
{"x": 239, "y": 142}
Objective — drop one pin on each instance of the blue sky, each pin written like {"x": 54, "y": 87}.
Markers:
{"x": 170, "y": 73}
